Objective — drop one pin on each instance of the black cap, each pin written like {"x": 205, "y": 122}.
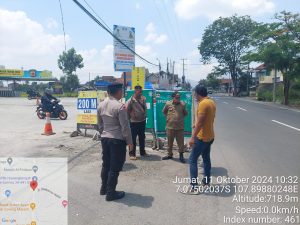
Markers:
{"x": 137, "y": 87}
{"x": 113, "y": 88}
{"x": 115, "y": 85}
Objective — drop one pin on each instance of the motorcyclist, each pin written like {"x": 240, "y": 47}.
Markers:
{"x": 47, "y": 101}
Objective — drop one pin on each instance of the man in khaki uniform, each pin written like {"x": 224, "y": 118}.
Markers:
{"x": 175, "y": 111}
{"x": 115, "y": 134}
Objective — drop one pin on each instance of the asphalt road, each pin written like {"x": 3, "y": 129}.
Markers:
{"x": 252, "y": 139}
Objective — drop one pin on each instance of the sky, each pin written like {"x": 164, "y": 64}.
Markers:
{"x": 31, "y": 31}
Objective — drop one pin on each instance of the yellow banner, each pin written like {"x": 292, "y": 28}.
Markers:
{"x": 138, "y": 77}
{"x": 87, "y": 94}
{"x": 46, "y": 74}
{"x": 87, "y": 118}
{"x": 11, "y": 73}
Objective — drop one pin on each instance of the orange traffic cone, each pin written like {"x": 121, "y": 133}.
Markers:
{"x": 48, "y": 127}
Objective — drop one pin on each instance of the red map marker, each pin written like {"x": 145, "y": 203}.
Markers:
{"x": 33, "y": 184}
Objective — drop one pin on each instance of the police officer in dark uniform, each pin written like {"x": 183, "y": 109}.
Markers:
{"x": 115, "y": 134}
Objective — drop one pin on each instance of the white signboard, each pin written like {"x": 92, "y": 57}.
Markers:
{"x": 123, "y": 57}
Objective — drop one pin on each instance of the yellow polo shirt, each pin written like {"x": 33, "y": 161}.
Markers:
{"x": 207, "y": 107}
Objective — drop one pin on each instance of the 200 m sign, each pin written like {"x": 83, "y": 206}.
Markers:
{"x": 87, "y": 103}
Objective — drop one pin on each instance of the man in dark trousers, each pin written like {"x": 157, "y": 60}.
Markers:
{"x": 137, "y": 111}
{"x": 175, "y": 112}
{"x": 115, "y": 134}
{"x": 202, "y": 137}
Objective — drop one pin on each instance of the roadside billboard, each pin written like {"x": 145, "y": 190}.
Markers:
{"x": 124, "y": 59}
{"x": 26, "y": 74}
{"x": 11, "y": 73}
{"x": 87, "y": 104}
{"x": 138, "y": 77}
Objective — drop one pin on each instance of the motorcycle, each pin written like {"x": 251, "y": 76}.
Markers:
{"x": 57, "y": 112}
{"x": 32, "y": 94}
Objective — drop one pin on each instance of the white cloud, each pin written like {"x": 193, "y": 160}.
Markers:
{"x": 107, "y": 49}
{"x": 88, "y": 55}
{"x": 194, "y": 54}
{"x": 194, "y": 69}
{"x": 196, "y": 40}
{"x": 97, "y": 63}
{"x": 137, "y": 5}
{"x": 25, "y": 43}
{"x": 51, "y": 23}
{"x": 152, "y": 35}
{"x": 191, "y": 9}
{"x": 150, "y": 28}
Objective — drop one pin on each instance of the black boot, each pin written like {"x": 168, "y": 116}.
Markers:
{"x": 103, "y": 190}
{"x": 181, "y": 158}
{"x": 112, "y": 194}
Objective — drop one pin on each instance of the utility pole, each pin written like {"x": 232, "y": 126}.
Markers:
{"x": 159, "y": 70}
{"x": 173, "y": 75}
{"x": 183, "y": 76}
{"x": 168, "y": 73}
{"x": 274, "y": 85}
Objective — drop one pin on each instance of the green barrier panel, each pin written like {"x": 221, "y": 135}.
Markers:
{"x": 161, "y": 98}
{"x": 149, "y": 100}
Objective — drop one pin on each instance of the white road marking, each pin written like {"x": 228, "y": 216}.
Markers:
{"x": 283, "y": 124}
{"x": 241, "y": 109}
{"x": 225, "y": 102}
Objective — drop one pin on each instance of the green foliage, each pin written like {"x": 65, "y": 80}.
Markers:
{"x": 277, "y": 46}
{"x": 227, "y": 41}
{"x": 203, "y": 82}
{"x": 70, "y": 82}
{"x": 212, "y": 81}
{"x": 264, "y": 95}
{"x": 37, "y": 87}
{"x": 69, "y": 61}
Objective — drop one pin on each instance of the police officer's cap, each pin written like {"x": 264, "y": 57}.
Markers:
{"x": 112, "y": 88}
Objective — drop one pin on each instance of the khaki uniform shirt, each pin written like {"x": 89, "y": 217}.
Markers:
{"x": 113, "y": 121}
{"x": 175, "y": 115}
{"x": 137, "y": 109}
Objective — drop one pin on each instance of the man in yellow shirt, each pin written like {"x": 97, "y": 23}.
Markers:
{"x": 203, "y": 135}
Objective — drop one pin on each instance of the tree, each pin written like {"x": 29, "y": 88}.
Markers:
{"x": 278, "y": 48}
{"x": 227, "y": 40}
{"x": 69, "y": 61}
{"x": 70, "y": 82}
{"x": 212, "y": 81}
{"x": 203, "y": 82}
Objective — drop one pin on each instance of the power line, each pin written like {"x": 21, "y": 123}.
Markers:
{"x": 165, "y": 26}
{"x": 63, "y": 24}
{"x": 171, "y": 25}
{"x": 97, "y": 15}
{"x": 111, "y": 33}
